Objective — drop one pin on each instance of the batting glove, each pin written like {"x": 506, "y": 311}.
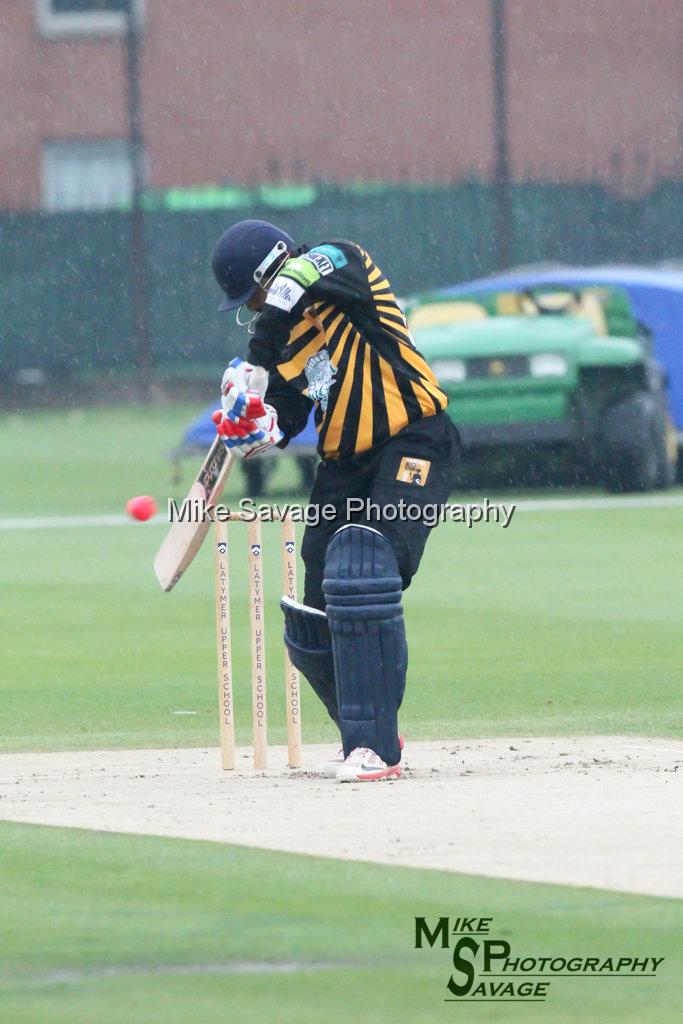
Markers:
{"x": 247, "y": 437}
{"x": 242, "y": 390}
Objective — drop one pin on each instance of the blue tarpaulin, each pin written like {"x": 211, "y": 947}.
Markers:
{"x": 656, "y": 298}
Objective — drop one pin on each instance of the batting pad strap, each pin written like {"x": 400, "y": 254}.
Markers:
{"x": 307, "y": 638}
{"x": 365, "y": 587}
{"x": 362, "y": 588}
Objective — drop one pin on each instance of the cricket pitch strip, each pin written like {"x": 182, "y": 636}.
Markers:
{"x": 598, "y": 811}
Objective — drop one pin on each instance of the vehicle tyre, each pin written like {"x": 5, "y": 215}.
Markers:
{"x": 634, "y": 445}
{"x": 669, "y": 464}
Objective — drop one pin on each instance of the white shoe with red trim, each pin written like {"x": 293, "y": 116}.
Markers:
{"x": 364, "y": 765}
{"x": 330, "y": 768}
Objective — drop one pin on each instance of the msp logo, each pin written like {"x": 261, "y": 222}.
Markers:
{"x": 222, "y": 547}
{"x": 320, "y": 374}
{"x": 256, "y": 550}
{"x": 289, "y": 547}
{"x": 486, "y": 968}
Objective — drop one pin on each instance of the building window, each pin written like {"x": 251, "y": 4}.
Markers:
{"x": 57, "y": 18}
{"x": 82, "y": 174}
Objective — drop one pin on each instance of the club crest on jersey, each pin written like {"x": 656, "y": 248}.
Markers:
{"x": 413, "y": 471}
{"x": 320, "y": 374}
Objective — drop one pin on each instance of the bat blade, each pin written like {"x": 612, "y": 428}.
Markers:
{"x": 185, "y": 537}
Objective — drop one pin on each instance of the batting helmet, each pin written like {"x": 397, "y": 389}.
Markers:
{"x": 242, "y": 257}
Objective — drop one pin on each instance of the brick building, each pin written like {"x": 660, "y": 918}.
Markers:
{"x": 235, "y": 91}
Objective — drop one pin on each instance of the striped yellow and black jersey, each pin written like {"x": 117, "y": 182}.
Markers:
{"x": 332, "y": 333}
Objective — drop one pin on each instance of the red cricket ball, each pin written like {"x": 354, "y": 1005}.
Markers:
{"x": 143, "y": 507}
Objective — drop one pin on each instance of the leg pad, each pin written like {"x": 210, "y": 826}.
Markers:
{"x": 362, "y": 588}
{"x": 307, "y": 638}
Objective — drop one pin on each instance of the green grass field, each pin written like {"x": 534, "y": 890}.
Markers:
{"x": 78, "y": 905}
{"x": 565, "y": 622}
{"x": 568, "y": 622}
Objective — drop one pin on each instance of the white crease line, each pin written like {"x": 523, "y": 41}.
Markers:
{"x": 582, "y": 504}
{"x": 59, "y": 977}
{"x": 67, "y": 522}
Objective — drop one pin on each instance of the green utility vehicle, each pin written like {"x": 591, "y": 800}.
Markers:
{"x": 551, "y": 382}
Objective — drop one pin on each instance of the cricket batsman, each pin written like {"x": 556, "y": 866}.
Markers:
{"x": 326, "y": 326}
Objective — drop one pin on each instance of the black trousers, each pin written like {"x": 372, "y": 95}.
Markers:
{"x": 377, "y": 475}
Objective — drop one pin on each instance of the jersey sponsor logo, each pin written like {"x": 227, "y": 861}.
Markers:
{"x": 320, "y": 261}
{"x": 413, "y": 471}
{"x": 332, "y": 252}
{"x": 301, "y": 270}
{"x": 284, "y": 293}
{"x": 320, "y": 374}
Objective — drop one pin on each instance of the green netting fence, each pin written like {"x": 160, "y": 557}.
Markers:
{"x": 65, "y": 279}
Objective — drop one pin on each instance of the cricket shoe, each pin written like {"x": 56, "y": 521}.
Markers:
{"x": 364, "y": 765}
{"x": 330, "y": 768}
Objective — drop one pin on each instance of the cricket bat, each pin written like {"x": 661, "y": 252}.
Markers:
{"x": 184, "y": 539}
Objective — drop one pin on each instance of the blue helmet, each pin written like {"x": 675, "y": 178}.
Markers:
{"x": 242, "y": 257}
